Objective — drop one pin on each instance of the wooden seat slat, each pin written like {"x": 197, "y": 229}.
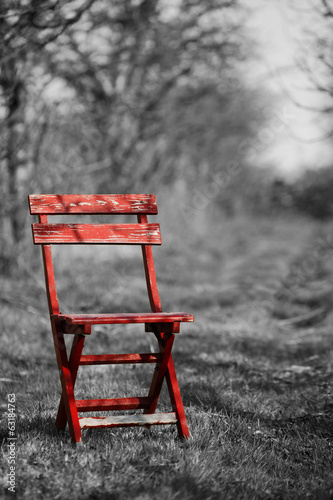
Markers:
{"x": 128, "y": 420}
{"x": 124, "y": 234}
{"x": 124, "y": 318}
{"x": 52, "y": 204}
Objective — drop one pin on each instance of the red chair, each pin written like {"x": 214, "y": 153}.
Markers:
{"x": 163, "y": 325}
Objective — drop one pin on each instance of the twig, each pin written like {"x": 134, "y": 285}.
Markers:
{"x": 305, "y": 319}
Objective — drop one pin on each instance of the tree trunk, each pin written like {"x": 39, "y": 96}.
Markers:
{"x": 13, "y": 157}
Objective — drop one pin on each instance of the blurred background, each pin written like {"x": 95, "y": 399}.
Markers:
{"x": 222, "y": 108}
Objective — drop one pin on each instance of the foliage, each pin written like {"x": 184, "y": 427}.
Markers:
{"x": 313, "y": 193}
{"x": 310, "y": 194}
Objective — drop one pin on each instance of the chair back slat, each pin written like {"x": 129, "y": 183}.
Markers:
{"x": 123, "y": 234}
{"x": 53, "y": 204}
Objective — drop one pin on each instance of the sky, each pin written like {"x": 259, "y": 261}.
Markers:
{"x": 279, "y": 32}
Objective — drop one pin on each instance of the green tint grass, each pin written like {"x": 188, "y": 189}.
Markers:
{"x": 255, "y": 376}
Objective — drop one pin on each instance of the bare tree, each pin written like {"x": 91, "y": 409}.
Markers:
{"x": 128, "y": 58}
{"x": 135, "y": 71}
{"x": 315, "y": 57}
{"x": 26, "y": 29}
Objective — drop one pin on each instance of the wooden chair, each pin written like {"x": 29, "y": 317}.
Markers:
{"x": 163, "y": 325}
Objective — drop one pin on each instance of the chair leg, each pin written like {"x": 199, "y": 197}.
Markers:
{"x": 166, "y": 369}
{"x": 165, "y": 346}
{"x": 66, "y": 383}
{"x": 176, "y": 400}
{"x": 74, "y": 360}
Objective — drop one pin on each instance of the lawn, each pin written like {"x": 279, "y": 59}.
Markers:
{"x": 255, "y": 369}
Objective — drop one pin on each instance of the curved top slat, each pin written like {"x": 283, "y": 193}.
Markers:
{"x": 53, "y": 204}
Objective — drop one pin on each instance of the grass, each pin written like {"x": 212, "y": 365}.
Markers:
{"x": 255, "y": 370}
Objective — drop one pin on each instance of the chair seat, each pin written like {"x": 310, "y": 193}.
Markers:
{"x": 123, "y": 318}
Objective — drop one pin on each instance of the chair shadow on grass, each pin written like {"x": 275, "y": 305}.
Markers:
{"x": 186, "y": 484}
{"x": 39, "y": 424}
{"x": 213, "y": 395}
{"x": 211, "y": 399}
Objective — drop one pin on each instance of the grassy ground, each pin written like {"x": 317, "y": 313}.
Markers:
{"x": 255, "y": 370}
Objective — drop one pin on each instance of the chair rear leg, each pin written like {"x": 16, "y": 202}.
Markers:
{"x": 74, "y": 360}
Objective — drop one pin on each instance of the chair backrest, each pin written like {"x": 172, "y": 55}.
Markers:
{"x": 142, "y": 233}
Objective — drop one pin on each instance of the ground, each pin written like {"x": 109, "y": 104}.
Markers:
{"x": 255, "y": 369}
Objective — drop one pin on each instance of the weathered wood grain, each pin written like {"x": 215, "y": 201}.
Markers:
{"x": 128, "y": 420}
{"x": 124, "y": 318}
{"x": 119, "y": 359}
{"x": 51, "y": 204}
{"x": 124, "y": 234}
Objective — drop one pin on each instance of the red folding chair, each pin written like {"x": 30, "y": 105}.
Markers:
{"x": 163, "y": 325}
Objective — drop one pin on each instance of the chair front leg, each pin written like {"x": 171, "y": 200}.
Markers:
{"x": 66, "y": 382}
{"x": 74, "y": 361}
{"x": 176, "y": 400}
